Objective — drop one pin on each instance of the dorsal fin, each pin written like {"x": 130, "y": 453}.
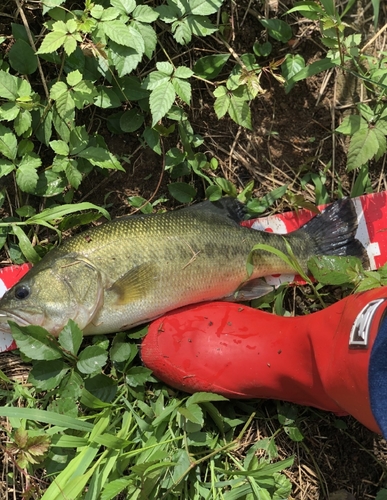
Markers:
{"x": 224, "y": 207}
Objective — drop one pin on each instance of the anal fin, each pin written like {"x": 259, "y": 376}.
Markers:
{"x": 250, "y": 290}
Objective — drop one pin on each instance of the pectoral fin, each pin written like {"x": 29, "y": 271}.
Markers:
{"x": 251, "y": 290}
{"x": 134, "y": 284}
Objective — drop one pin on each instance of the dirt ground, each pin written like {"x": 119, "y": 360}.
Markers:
{"x": 291, "y": 133}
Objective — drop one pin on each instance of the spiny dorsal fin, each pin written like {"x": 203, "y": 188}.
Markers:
{"x": 225, "y": 207}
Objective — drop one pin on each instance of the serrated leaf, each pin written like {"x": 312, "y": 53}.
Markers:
{"x": 9, "y": 111}
{"x": 60, "y": 147}
{"x": 125, "y": 59}
{"x": 209, "y": 67}
{"x": 145, "y": 14}
{"x": 333, "y": 270}
{"x": 240, "y": 112}
{"x": 182, "y": 32}
{"x": 204, "y": 7}
{"x": 363, "y": 147}
{"x": 148, "y": 35}
{"x": 74, "y": 176}
{"x": 34, "y": 342}
{"x": 92, "y": 359}
{"x": 125, "y": 6}
{"x": 69, "y": 44}
{"x": 182, "y": 191}
{"x": 138, "y": 375}
{"x": 71, "y": 337}
{"x": 22, "y": 122}
{"x": 52, "y": 41}
{"x": 221, "y": 105}
{"x": 193, "y": 413}
{"x": 8, "y": 143}
{"x": 200, "y": 25}
{"x": 46, "y": 375}
{"x": 351, "y": 124}
{"x": 161, "y": 100}
{"x": 182, "y": 89}
{"x": 6, "y": 167}
{"x": 8, "y": 86}
{"x": 101, "y": 157}
{"x": 74, "y": 78}
{"x": 183, "y": 72}
{"x": 27, "y": 177}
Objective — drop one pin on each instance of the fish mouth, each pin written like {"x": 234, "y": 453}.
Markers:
{"x": 5, "y": 317}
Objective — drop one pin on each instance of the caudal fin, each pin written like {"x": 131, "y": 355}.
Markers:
{"x": 333, "y": 231}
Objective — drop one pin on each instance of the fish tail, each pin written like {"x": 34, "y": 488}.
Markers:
{"x": 333, "y": 232}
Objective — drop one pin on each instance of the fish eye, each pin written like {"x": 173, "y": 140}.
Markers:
{"x": 22, "y": 292}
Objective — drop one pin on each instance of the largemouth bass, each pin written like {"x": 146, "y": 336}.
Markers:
{"x": 133, "y": 269}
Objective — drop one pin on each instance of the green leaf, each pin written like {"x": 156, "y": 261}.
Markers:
{"x": 204, "y": 7}
{"x": 92, "y": 359}
{"x": 182, "y": 89}
{"x": 46, "y": 417}
{"x": 277, "y": 29}
{"x": 222, "y": 104}
{"x": 125, "y": 6}
{"x": 74, "y": 78}
{"x": 122, "y": 350}
{"x": 74, "y": 176}
{"x": 27, "y": 176}
{"x": 182, "y": 191}
{"x": 363, "y": 147}
{"x": 182, "y": 32}
{"x": 145, "y": 14}
{"x": 125, "y": 35}
{"x": 22, "y": 58}
{"x": 131, "y": 120}
{"x": 6, "y": 167}
{"x": 25, "y": 245}
{"x": 312, "y": 69}
{"x": 71, "y": 337}
{"x": 60, "y": 147}
{"x": 52, "y": 41}
{"x": 213, "y": 193}
{"x": 9, "y": 111}
{"x": 204, "y": 397}
{"x": 209, "y": 67}
{"x": 333, "y": 270}
{"x": 161, "y": 100}
{"x": 240, "y": 112}
{"x": 35, "y": 342}
{"x": 45, "y": 375}
{"x": 8, "y": 86}
{"x": 22, "y": 122}
{"x": 292, "y": 65}
{"x": 200, "y": 25}
{"x": 101, "y": 157}
{"x": 351, "y": 124}
{"x": 138, "y": 375}
{"x": 8, "y": 143}
{"x": 193, "y": 413}
{"x": 183, "y": 72}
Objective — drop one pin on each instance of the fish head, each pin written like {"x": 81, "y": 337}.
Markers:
{"x": 53, "y": 292}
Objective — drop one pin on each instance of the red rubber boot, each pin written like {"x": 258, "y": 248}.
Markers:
{"x": 335, "y": 359}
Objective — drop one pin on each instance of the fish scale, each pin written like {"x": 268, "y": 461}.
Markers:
{"x": 134, "y": 269}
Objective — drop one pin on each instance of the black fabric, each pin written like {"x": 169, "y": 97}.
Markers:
{"x": 377, "y": 378}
